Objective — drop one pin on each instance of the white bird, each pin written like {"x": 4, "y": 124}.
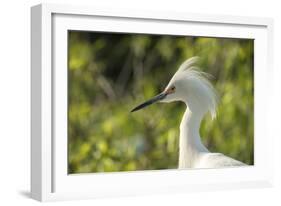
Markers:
{"x": 192, "y": 87}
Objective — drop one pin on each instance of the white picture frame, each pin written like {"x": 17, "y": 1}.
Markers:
{"x": 49, "y": 178}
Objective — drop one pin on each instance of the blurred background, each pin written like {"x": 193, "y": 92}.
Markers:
{"x": 110, "y": 73}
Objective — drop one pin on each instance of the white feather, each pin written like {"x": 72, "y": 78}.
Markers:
{"x": 216, "y": 160}
{"x": 195, "y": 82}
{"x": 194, "y": 88}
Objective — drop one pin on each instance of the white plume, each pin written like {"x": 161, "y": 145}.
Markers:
{"x": 203, "y": 89}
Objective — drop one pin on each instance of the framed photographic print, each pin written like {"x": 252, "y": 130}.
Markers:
{"x": 137, "y": 102}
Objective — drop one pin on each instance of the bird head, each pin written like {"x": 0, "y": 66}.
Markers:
{"x": 190, "y": 86}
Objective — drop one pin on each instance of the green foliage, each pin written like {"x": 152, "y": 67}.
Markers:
{"x": 109, "y": 74}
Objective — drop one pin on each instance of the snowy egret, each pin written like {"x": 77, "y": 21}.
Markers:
{"x": 192, "y": 87}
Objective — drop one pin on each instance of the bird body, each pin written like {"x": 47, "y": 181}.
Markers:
{"x": 192, "y": 152}
{"x": 192, "y": 87}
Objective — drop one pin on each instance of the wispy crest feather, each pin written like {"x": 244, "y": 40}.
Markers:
{"x": 188, "y": 63}
{"x": 188, "y": 69}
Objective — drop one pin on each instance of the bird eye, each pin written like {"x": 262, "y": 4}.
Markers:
{"x": 171, "y": 90}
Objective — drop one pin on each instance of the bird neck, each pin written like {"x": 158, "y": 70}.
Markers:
{"x": 190, "y": 145}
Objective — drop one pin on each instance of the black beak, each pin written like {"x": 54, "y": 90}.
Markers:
{"x": 150, "y": 101}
